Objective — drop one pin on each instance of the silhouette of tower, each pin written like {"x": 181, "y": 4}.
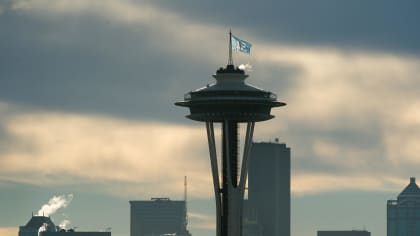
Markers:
{"x": 403, "y": 214}
{"x": 269, "y": 187}
{"x": 230, "y": 101}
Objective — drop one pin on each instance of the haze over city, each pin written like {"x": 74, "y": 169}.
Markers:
{"x": 87, "y": 92}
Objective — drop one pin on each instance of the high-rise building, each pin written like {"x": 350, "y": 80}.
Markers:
{"x": 44, "y": 226}
{"x": 344, "y": 233}
{"x": 269, "y": 189}
{"x": 74, "y": 233}
{"x": 34, "y": 224}
{"x": 159, "y": 216}
{"x": 250, "y": 224}
{"x": 403, "y": 214}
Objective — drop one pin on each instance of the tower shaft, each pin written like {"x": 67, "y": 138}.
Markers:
{"x": 230, "y": 141}
{"x": 229, "y": 169}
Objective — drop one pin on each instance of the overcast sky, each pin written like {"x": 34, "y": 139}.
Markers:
{"x": 87, "y": 90}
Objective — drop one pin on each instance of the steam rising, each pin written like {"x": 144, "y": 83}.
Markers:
{"x": 43, "y": 228}
{"x": 55, "y": 203}
{"x": 64, "y": 224}
{"x": 247, "y": 67}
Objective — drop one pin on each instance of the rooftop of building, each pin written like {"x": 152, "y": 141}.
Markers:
{"x": 409, "y": 196}
{"x": 157, "y": 199}
{"x": 412, "y": 190}
{"x": 276, "y": 141}
{"x": 37, "y": 221}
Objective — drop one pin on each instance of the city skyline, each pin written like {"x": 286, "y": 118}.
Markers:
{"x": 87, "y": 91}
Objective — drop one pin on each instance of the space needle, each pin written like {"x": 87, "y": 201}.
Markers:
{"x": 230, "y": 101}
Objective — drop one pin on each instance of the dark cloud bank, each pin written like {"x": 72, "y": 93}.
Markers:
{"x": 375, "y": 25}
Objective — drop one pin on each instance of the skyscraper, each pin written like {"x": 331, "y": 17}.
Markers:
{"x": 73, "y": 233}
{"x": 269, "y": 188}
{"x": 403, "y": 214}
{"x": 44, "y": 226}
{"x": 157, "y": 217}
{"x": 34, "y": 224}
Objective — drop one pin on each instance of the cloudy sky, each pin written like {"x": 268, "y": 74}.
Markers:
{"x": 87, "y": 90}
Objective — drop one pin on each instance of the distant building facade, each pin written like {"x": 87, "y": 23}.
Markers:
{"x": 344, "y": 233}
{"x": 267, "y": 210}
{"x": 250, "y": 224}
{"x": 403, "y": 214}
{"x": 34, "y": 224}
{"x": 74, "y": 233}
{"x": 159, "y": 216}
{"x": 44, "y": 226}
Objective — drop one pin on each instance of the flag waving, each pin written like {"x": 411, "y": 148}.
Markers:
{"x": 240, "y": 45}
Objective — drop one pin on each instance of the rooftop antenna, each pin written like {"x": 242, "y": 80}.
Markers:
{"x": 230, "y": 62}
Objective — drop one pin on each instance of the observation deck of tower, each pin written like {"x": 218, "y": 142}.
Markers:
{"x": 229, "y": 101}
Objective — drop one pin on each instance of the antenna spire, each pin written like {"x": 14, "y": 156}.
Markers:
{"x": 185, "y": 188}
{"x": 185, "y": 199}
{"x": 230, "y": 62}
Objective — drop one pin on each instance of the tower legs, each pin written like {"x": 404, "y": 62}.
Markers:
{"x": 229, "y": 198}
{"x": 215, "y": 174}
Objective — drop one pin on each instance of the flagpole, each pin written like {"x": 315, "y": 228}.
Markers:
{"x": 230, "y": 62}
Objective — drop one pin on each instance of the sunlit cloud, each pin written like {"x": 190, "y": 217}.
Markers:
{"x": 380, "y": 91}
{"x": 58, "y": 148}
{"x": 334, "y": 84}
{"x": 127, "y": 11}
{"x": 318, "y": 183}
{"x": 352, "y": 113}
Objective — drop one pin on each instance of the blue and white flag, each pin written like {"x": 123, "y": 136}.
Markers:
{"x": 240, "y": 45}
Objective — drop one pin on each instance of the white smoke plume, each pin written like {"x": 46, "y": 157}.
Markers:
{"x": 64, "y": 224}
{"x": 55, "y": 203}
{"x": 43, "y": 228}
{"x": 247, "y": 67}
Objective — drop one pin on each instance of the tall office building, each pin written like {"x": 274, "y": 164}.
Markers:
{"x": 44, "y": 226}
{"x": 159, "y": 216}
{"x": 269, "y": 189}
{"x": 403, "y": 214}
{"x": 34, "y": 224}
{"x": 73, "y": 233}
{"x": 344, "y": 233}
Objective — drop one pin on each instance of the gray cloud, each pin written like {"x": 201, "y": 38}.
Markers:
{"x": 90, "y": 65}
{"x": 351, "y": 118}
{"x": 351, "y": 147}
{"x": 371, "y": 25}
{"x": 79, "y": 60}
{"x": 87, "y": 63}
